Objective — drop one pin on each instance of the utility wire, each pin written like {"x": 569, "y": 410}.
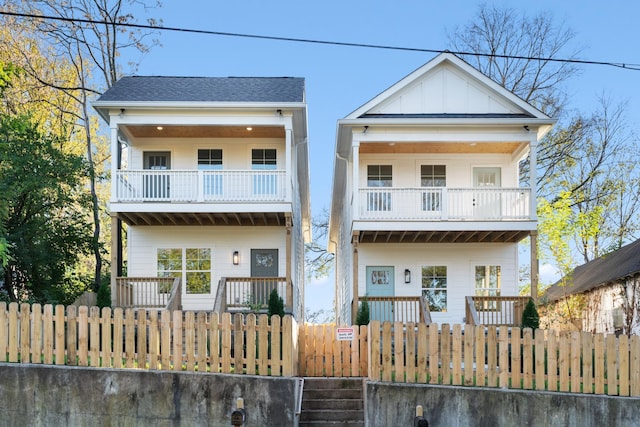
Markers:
{"x": 634, "y": 67}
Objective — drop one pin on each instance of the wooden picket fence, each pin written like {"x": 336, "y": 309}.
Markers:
{"x": 505, "y": 357}
{"x": 148, "y": 339}
{"x": 321, "y": 354}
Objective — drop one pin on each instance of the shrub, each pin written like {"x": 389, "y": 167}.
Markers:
{"x": 362, "y": 317}
{"x": 530, "y": 317}
{"x": 276, "y": 304}
{"x": 103, "y": 298}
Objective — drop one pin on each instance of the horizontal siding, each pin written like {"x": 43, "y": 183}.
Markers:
{"x": 460, "y": 260}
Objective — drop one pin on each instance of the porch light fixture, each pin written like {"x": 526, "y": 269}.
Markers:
{"x": 159, "y": 127}
{"x": 279, "y": 113}
{"x": 249, "y": 128}
{"x": 236, "y": 258}
{"x": 407, "y": 275}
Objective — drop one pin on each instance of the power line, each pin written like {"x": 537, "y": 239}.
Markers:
{"x": 634, "y": 67}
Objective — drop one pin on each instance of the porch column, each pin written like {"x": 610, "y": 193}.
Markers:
{"x": 115, "y": 155}
{"x": 115, "y": 259}
{"x": 533, "y": 176}
{"x": 355, "y": 185}
{"x": 288, "y": 265}
{"x": 534, "y": 266}
{"x": 354, "y": 297}
{"x": 288, "y": 132}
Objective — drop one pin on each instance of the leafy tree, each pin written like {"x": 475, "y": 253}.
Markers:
{"x": 37, "y": 184}
{"x": 276, "y": 304}
{"x": 93, "y": 49}
{"x": 103, "y": 298}
{"x": 530, "y": 317}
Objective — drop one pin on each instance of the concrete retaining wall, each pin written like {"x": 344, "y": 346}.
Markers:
{"x": 36, "y": 395}
{"x": 394, "y": 405}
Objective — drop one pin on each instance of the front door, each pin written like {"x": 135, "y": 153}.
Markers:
{"x": 380, "y": 283}
{"x": 156, "y": 183}
{"x": 264, "y": 266}
{"x": 487, "y": 200}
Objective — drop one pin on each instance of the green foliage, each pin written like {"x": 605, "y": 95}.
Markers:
{"x": 103, "y": 298}
{"x": 363, "y": 316}
{"x": 7, "y": 72}
{"x": 530, "y": 317}
{"x": 276, "y": 304}
{"x": 41, "y": 217}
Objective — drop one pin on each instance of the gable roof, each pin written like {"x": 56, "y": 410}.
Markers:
{"x": 206, "y": 89}
{"x": 447, "y": 86}
{"x": 608, "y": 268}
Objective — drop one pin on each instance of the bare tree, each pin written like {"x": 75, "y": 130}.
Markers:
{"x": 517, "y": 52}
{"x": 92, "y": 34}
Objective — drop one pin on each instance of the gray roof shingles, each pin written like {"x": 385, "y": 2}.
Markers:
{"x": 608, "y": 268}
{"x": 206, "y": 89}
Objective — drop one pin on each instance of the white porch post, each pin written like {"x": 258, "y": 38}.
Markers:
{"x": 288, "y": 132}
{"x": 355, "y": 147}
{"x": 115, "y": 149}
{"x": 533, "y": 176}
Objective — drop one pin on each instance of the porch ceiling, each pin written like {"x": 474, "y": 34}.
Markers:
{"x": 406, "y": 236}
{"x": 386, "y": 147}
{"x": 171, "y": 131}
{"x": 203, "y": 218}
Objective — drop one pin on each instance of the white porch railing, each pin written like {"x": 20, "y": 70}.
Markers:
{"x": 438, "y": 203}
{"x": 199, "y": 186}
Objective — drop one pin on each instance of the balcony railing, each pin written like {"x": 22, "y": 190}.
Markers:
{"x": 190, "y": 186}
{"x": 439, "y": 203}
{"x": 495, "y": 310}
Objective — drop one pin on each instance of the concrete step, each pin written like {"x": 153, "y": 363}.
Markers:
{"x": 332, "y": 402}
{"x": 332, "y": 415}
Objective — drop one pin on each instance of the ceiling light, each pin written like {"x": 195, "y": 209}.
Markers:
{"x": 249, "y": 128}
{"x": 159, "y": 127}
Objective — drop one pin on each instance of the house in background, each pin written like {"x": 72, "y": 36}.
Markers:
{"x": 608, "y": 295}
{"x": 211, "y": 178}
{"x": 427, "y": 207}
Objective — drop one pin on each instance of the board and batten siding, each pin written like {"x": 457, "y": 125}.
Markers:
{"x": 143, "y": 244}
{"x": 460, "y": 260}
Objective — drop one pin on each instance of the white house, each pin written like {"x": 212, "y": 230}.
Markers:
{"x": 427, "y": 207}
{"x": 210, "y": 176}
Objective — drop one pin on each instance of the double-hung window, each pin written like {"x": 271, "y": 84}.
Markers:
{"x": 434, "y": 287}
{"x": 433, "y": 178}
{"x": 264, "y": 160}
{"x": 488, "y": 278}
{"x": 379, "y": 177}
{"x": 210, "y": 160}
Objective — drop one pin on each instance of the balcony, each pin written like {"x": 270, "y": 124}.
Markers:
{"x": 442, "y": 204}
{"x": 193, "y": 186}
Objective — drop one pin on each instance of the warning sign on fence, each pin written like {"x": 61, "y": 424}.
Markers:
{"x": 344, "y": 334}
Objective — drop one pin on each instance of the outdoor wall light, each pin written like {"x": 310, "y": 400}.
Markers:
{"x": 407, "y": 275}
{"x": 236, "y": 258}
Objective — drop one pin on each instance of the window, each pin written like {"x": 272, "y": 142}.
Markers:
{"x": 169, "y": 265}
{"x": 198, "y": 271}
{"x": 211, "y": 160}
{"x": 191, "y": 265}
{"x": 432, "y": 176}
{"x": 379, "y": 176}
{"x": 488, "y": 285}
{"x": 434, "y": 287}
{"x": 264, "y": 159}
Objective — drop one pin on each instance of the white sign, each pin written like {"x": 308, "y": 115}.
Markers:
{"x": 344, "y": 334}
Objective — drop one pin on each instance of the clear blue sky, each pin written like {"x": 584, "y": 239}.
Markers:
{"x": 340, "y": 79}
